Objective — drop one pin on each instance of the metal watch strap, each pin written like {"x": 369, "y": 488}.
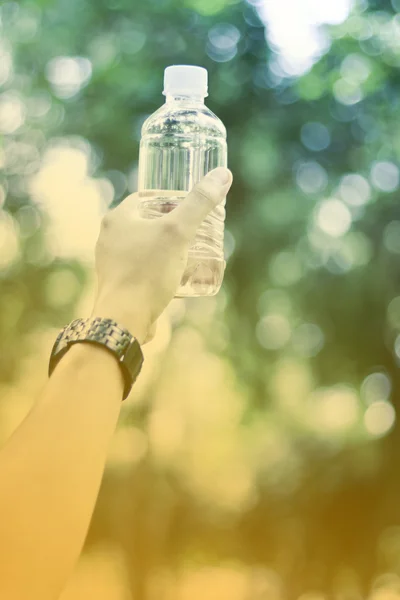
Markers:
{"x": 106, "y": 333}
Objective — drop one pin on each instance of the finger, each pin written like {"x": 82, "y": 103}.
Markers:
{"x": 130, "y": 204}
{"x": 151, "y": 333}
{"x": 205, "y": 196}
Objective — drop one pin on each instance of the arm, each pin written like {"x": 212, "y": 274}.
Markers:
{"x": 51, "y": 471}
{"x": 51, "y": 468}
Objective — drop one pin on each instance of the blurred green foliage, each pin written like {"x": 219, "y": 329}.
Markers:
{"x": 313, "y": 273}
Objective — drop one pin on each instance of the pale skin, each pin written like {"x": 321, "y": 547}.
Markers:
{"x": 51, "y": 467}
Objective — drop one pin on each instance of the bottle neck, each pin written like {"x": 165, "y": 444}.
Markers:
{"x": 184, "y": 99}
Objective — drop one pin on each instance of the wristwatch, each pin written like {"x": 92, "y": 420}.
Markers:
{"x": 106, "y": 333}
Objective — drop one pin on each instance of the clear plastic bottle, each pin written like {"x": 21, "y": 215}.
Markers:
{"x": 180, "y": 143}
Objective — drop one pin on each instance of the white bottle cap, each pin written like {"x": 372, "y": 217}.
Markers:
{"x": 185, "y": 80}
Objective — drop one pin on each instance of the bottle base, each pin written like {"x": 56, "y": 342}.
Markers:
{"x": 202, "y": 277}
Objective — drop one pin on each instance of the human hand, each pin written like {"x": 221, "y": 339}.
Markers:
{"x": 140, "y": 262}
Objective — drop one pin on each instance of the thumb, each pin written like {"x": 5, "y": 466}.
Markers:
{"x": 204, "y": 197}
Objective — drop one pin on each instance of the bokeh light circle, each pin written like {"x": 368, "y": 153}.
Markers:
{"x": 379, "y": 418}
{"x": 333, "y": 217}
{"x": 385, "y": 176}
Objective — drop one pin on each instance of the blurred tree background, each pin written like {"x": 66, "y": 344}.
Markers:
{"x": 257, "y": 456}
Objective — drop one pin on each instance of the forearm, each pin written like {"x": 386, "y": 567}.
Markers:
{"x": 50, "y": 473}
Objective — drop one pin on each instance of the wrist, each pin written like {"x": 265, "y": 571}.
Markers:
{"x": 134, "y": 322}
{"x": 108, "y": 334}
{"x": 81, "y": 356}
